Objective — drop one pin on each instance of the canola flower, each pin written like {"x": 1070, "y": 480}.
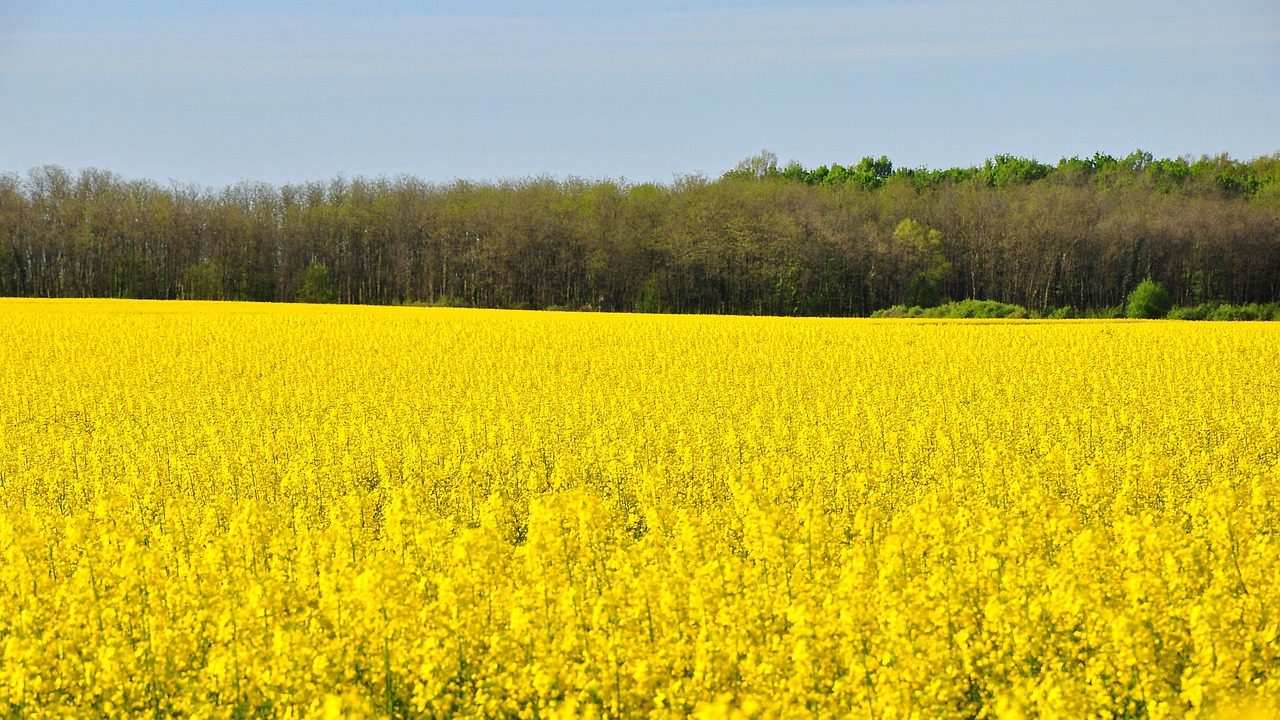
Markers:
{"x": 235, "y": 510}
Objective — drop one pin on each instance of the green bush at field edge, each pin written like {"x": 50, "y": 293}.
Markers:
{"x": 960, "y": 309}
{"x": 1225, "y": 311}
{"x": 1149, "y": 300}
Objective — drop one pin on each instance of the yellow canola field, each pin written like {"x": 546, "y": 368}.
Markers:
{"x": 234, "y": 510}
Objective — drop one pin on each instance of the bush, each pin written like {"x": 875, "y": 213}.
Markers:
{"x": 1223, "y": 311}
{"x": 1149, "y": 300}
{"x": 897, "y": 311}
{"x": 1252, "y": 311}
{"x": 961, "y": 309}
{"x": 1232, "y": 312}
{"x": 1199, "y": 312}
{"x": 1105, "y": 313}
{"x": 977, "y": 309}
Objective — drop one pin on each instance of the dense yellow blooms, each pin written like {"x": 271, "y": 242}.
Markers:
{"x": 229, "y": 510}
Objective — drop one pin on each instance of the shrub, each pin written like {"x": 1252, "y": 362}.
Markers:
{"x": 1252, "y": 311}
{"x": 1105, "y": 313}
{"x": 449, "y": 301}
{"x": 1224, "y": 311}
{"x": 1199, "y": 312}
{"x": 897, "y": 311}
{"x": 961, "y": 309}
{"x": 1148, "y": 300}
{"x": 977, "y": 309}
{"x": 1231, "y": 312}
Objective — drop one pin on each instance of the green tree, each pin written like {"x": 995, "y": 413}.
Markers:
{"x": 929, "y": 270}
{"x": 764, "y": 240}
{"x": 756, "y": 167}
{"x": 202, "y": 281}
{"x": 314, "y": 286}
{"x": 872, "y": 172}
{"x": 1148, "y": 300}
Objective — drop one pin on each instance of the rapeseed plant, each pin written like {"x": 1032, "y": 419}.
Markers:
{"x": 230, "y": 510}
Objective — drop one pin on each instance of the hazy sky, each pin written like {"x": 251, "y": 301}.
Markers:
{"x": 217, "y": 92}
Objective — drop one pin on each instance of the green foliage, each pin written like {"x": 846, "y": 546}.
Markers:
{"x": 930, "y": 270}
{"x": 1198, "y": 312}
{"x": 869, "y": 174}
{"x": 837, "y": 175}
{"x": 1168, "y": 175}
{"x": 314, "y": 285}
{"x": 899, "y": 311}
{"x": 1227, "y": 312}
{"x": 872, "y": 173}
{"x": 449, "y": 301}
{"x": 958, "y": 310}
{"x": 202, "y": 281}
{"x": 978, "y": 309}
{"x": 1251, "y": 311}
{"x": 1149, "y": 300}
{"x": 756, "y": 167}
{"x": 794, "y": 172}
{"x": 765, "y": 240}
{"x": 1106, "y": 312}
{"x": 651, "y": 300}
{"x": 1006, "y": 170}
{"x": 1229, "y": 176}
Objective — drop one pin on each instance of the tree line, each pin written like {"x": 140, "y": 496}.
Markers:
{"x": 761, "y": 239}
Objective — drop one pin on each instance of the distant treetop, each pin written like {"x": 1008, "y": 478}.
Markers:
{"x": 1220, "y": 173}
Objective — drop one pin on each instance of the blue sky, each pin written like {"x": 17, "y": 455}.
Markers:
{"x": 213, "y": 93}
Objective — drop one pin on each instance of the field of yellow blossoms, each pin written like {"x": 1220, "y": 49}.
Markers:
{"x": 235, "y": 510}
